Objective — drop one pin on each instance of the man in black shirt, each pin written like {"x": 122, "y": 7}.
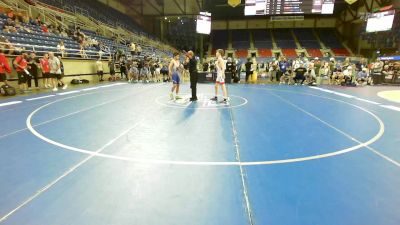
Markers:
{"x": 300, "y": 72}
{"x": 192, "y": 66}
{"x": 33, "y": 63}
{"x": 249, "y": 72}
{"x": 205, "y": 66}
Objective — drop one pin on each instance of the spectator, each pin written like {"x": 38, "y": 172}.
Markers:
{"x": 377, "y": 68}
{"x": 111, "y": 65}
{"x": 138, "y": 49}
{"x": 311, "y": 77}
{"x": 44, "y": 29}
{"x": 21, "y": 66}
{"x": 61, "y": 75}
{"x": 33, "y": 65}
{"x": 286, "y": 78}
{"x": 296, "y": 63}
{"x": 283, "y": 67}
{"x": 45, "y": 67}
{"x": 61, "y": 48}
{"x": 249, "y": 69}
{"x": 300, "y": 74}
{"x": 9, "y": 26}
{"x": 122, "y": 68}
{"x": 82, "y": 52}
{"x": 7, "y": 45}
{"x": 317, "y": 65}
{"x": 133, "y": 49}
{"x": 37, "y": 21}
{"x": 332, "y": 64}
{"x": 11, "y": 15}
{"x": 55, "y": 71}
{"x": 63, "y": 33}
{"x": 4, "y": 67}
{"x": 362, "y": 77}
{"x": 18, "y": 25}
{"x": 99, "y": 67}
{"x": 347, "y": 76}
{"x": 205, "y": 66}
{"x": 324, "y": 72}
{"x": 273, "y": 68}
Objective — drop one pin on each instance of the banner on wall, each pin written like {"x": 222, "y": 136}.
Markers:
{"x": 384, "y": 58}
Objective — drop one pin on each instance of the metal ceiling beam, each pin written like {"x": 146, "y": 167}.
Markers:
{"x": 367, "y": 6}
{"x": 199, "y": 5}
{"x": 152, "y": 5}
{"x": 179, "y": 6}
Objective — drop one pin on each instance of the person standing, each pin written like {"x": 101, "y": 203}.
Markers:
{"x": 192, "y": 64}
{"x": 111, "y": 65}
{"x": 100, "y": 71}
{"x": 21, "y": 66}
{"x": 33, "y": 65}
{"x": 4, "y": 67}
{"x": 133, "y": 49}
{"x": 55, "y": 70}
{"x": 220, "y": 81}
{"x": 45, "y": 67}
{"x": 175, "y": 67}
{"x": 377, "y": 76}
{"x": 122, "y": 68}
{"x": 138, "y": 49}
{"x": 283, "y": 67}
{"x": 249, "y": 71}
{"x": 60, "y": 77}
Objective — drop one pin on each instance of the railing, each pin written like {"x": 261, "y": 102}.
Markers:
{"x": 14, "y": 49}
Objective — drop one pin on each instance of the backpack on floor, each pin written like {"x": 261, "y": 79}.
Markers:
{"x": 75, "y": 81}
{"x": 7, "y": 90}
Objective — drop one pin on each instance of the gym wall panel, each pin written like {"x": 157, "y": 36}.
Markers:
{"x": 283, "y": 24}
{"x": 81, "y": 66}
{"x": 257, "y": 24}
{"x": 266, "y": 23}
{"x": 237, "y": 24}
{"x": 219, "y": 25}
{"x": 71, "y": 67}
{"x": 304, "y": 24}
{"x": 325, "y": 22}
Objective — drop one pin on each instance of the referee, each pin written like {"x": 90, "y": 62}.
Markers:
{"x": 192, "y": 64}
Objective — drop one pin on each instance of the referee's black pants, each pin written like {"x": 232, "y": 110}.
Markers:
{"x": 193, "y": 85}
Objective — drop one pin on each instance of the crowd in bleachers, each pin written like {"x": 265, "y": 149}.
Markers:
{"x": 302, "y": 70}
{"x": 21, "y": 32}
{"x": 314, "y": 71}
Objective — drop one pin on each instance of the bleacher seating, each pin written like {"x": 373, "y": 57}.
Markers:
{"x": 220, "y": 39}
{"x": 314, "y": 52}
{"x": 329, "y": 38}
{"x": 289, "y": 52}
{"x": 264, "y": 53}
{"x": 240, "y": 39}
{"x": 340, "y": 52}
{"x": 96, "y": 9}
{"x": 262, "y": 39}
{"x": 284, "y": 39}
{"x": 243, "y": 53}
{"x": 306, "y": 38}
{"x": 37, "y": 40}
